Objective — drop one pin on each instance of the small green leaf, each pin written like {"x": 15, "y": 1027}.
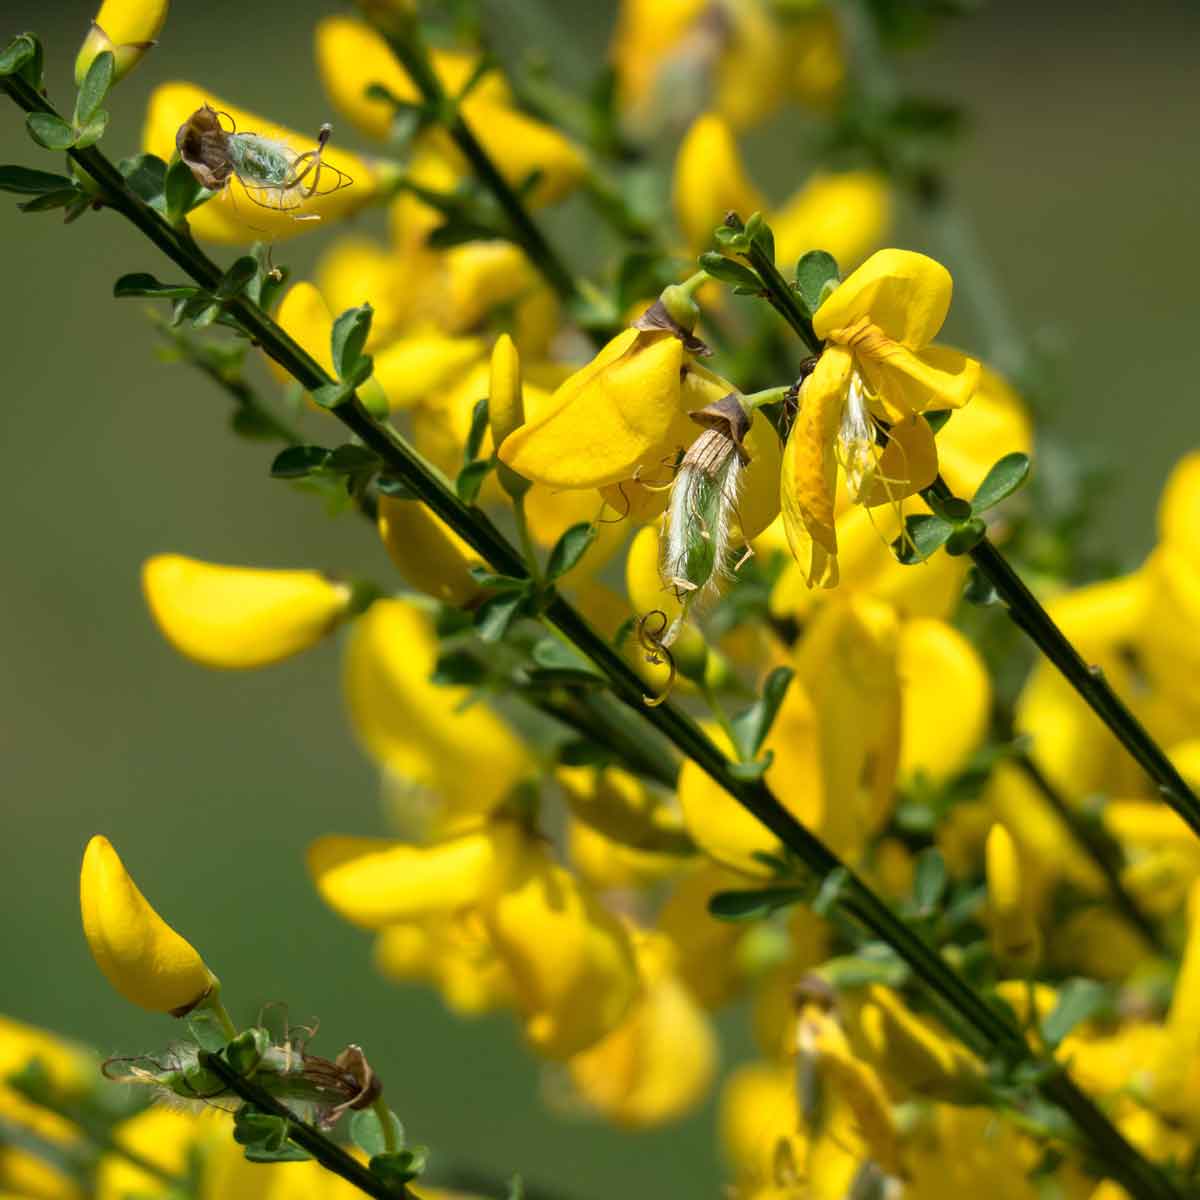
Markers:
{"x": 234, "y": 281}
{"x": 950, "y": 508}
{"x": 350, "y": 333}
{"x": 494, "y": 616}
{"x": 246, "y": 1050}
{"x": 287, "y": 1152}
{"x": 978, "y": 589}
{"x": 965, "y": 537}
{"x": 732, "y": 238}
{"x": 206, "y": 1030}
{"x": 938, "y": 418}
{"x": 759, "y": 234}
{"x": 402, "y": 1167}
{"x": 814, "y": 270}
{"x": 50, "y": 131}
{"x": 349, "y": 459}
{"x": 751, "y": 727}
{"x": 20, "y": 51}
{"x": 460, "y": 668}
{"x": 95, "y": 87}
{"x": 929, "y": 878}
{"x": 366, "y": 1131}
{"x": 330, "y": 395}
{"x": 52, "y": 200}
{"x": 298, "y": 461}
{"x": 479, "y": 424}
{"x": 470, "y": 479}
{"x": 26, "y": 182}
{"x": 753, "y": 905}
{"x": 923, "y": 535}
{"x": 1078, "y": 1000}
{"x": 492, "y": 582}
{"x": 146, "y": 176}
{"x": 140, "y": 284}
{"x": 569, "y": 549}
{"x": 833, "y": 889}
{"x": 562, "y": 664}
{"x": 93, "y": 131}
{"x": 181, "y": 191}
{"x": 389, "y": 485}
{"x": 1006, "y": 475}
{"x": 264, "y": 1136}
{"x": 727, "y": 270}
{"x": 852, "y": 971}
{"x": 516, "y": 1188}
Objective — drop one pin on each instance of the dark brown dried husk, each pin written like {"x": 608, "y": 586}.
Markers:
{"x": 204, "y": 146}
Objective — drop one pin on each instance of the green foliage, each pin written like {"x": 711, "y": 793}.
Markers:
{"x": 816, "y": 276}
{"x": 750, "y": 728}
{"x": 368, "y": 1134}
{"x": 1005, "y": 477}
{"x": 569, "y": 549}
{"x": 264, "y": 1137}
{"x": 754, "y": 905}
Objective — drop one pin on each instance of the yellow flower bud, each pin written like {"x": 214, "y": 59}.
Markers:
{"x": 429, "y": 555}
{"x": 239, "y": 617}
{"x": 1015, "y": 937}
{"x": 466, "y": 757}
{"x": 142, "y": 956}
{"x": 375, "y": 882}
{"x": 125, "y": 27}
{"x": 658, "y": 1063}
{"x": 506, "y": 406}
{"x": 846, "y": 214}
{"x": 571, "y": 960}
{"x": 710, "y": 180}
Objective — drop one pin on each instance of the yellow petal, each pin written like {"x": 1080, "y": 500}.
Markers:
{"x": 817, "y": 60}
{"x": 232, "y": 217}
{"x": 809, "y": 474}
{"x": 845, "y": 214}
{"x": 1015, "y": 936}
{"x": 506, "y": 408}
{"x": 238, "y": 617}
{"x": 350, "y": 56}
{"x": 306, "y": 318}
{"x": 126, "y": 27}
{"x": 946, "y": 697}
{"x": 164, "y": 1137}
{"x": 758, "y": 501}
{"x": 913, "y": 382}
{"x": 417, "y": 367}
{"x": 141, "y": 955}
{"x": 355, "y": 270}
{"x": 374, "y": 882}
{"x": 611, "y": 866}
{"x": 1179, "y": 508}
{"x": 909, "y": 462}
{"x": 994, "y": 424}
{"x": 646, "y": 34}
{"x": 710, "y": 180}
{"x": 429, "y": 555}
{"x": 571, "y": 960}
{"x": 658, "y": 1063}
{"x": 751, "y": 48}
{"x": 905, "y": 294}
{"x": 606, "y": 418}
{"x": 622, "y": 807}
{"x": 643, "y": 577}
{"x": 759, "y": 1110}
{"x": 423, "y": 732}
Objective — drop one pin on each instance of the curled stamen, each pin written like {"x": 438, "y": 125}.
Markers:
{"x": 651, "y": 641}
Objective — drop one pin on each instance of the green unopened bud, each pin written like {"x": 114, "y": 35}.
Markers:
{"x": 690, "y": 652}
{"x": 680, "y": 306}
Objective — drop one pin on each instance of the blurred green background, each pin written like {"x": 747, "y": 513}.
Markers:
{"x": 1084, "y": 185}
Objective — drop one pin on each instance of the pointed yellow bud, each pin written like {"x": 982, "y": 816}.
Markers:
{"x": 1015, "y": 937}
{"x": 429, "y": 555}
{"x": 506, "y": 407}
{"x": 142, "y": 956}
{"x": 125, "y": 27}
{"x": 375, "y": 882}
{"x": 710, "y": 180}
{"x": 239, "y": 617}
{"x": 571, "y": 960}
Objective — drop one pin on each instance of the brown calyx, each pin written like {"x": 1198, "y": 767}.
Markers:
{"x": 728, "y": 417}
{"x": 656, "y": 319}
{"x": 204, "y": 146}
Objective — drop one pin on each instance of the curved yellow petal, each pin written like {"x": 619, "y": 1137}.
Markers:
{"x": 375, "y": 882}
{"x": 909, "y": 462}
{"x": 623, "y": 808}
{"x": 760, "y": 1110}
{"x": 306, "y": 318}
{"x": 424, "y": 732}
{"x": 429, "y": 555}
{"x": 232, "y": 217}
{"x": 355, "y": 270}
{"x": 571, "y": 961}
{"x": 127, "y": 28}
{"x": 140, "y": 954}
{"x": 710, "y": 180}
{"x": 844, "y": 213}
{"x": 914, "y": 382}
{"x": 905, "y": 294}
{"x": 414, "y": 369}
{"x": 606, "y": 418}
{"x": 612, "y": 866}
{"x": 1016, "y": 940}
{"x": 809, "y": 476}
{"x": 758, "y": 500}
{"x": 1179, "y": 507}
{"x": 945, "y": 695}
{"x": 239, "y": 617}
{"x": 643, "y": 577}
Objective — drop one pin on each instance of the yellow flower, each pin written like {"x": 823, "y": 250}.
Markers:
{"x": 621, "y": 806}
{"x": 571, "y": 960}
{"x": 466, "y": 759}
{"x": 239, "y": 617}
{"x": 350, "y": 56}
{"x": 141, "y": 955}
{"x": 710, "y": 180}
{"x": 376, "y": 882}
{"x": 945, "y": 698}
{"x": 658, "y": 1063}
{"x": 610, "y": 865}
{"x": 125, "y": 27}
{"x": 874, "y": 369}
{"x": 429, "y": 555}
{"x": 1016, "y": 939}
{"x": 233, "y": 217}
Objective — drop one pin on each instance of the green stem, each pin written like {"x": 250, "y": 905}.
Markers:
{"x": 527, "y": 543}
{"x": 383, "y": 1115}
{"x": 718, "y": 711}
{"x": 992, "y": 1032}
{"x": 328, "y": 1153}
{"x": 403, "y": 36}
{"x": 1027, "y": 612}
{"x": 780, "y": 296}
{"x": 213, "y": 1002}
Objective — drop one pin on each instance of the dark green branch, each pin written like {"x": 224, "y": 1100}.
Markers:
{"x": 992, "y": 1032}
{"x": 308, "y": 1137}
